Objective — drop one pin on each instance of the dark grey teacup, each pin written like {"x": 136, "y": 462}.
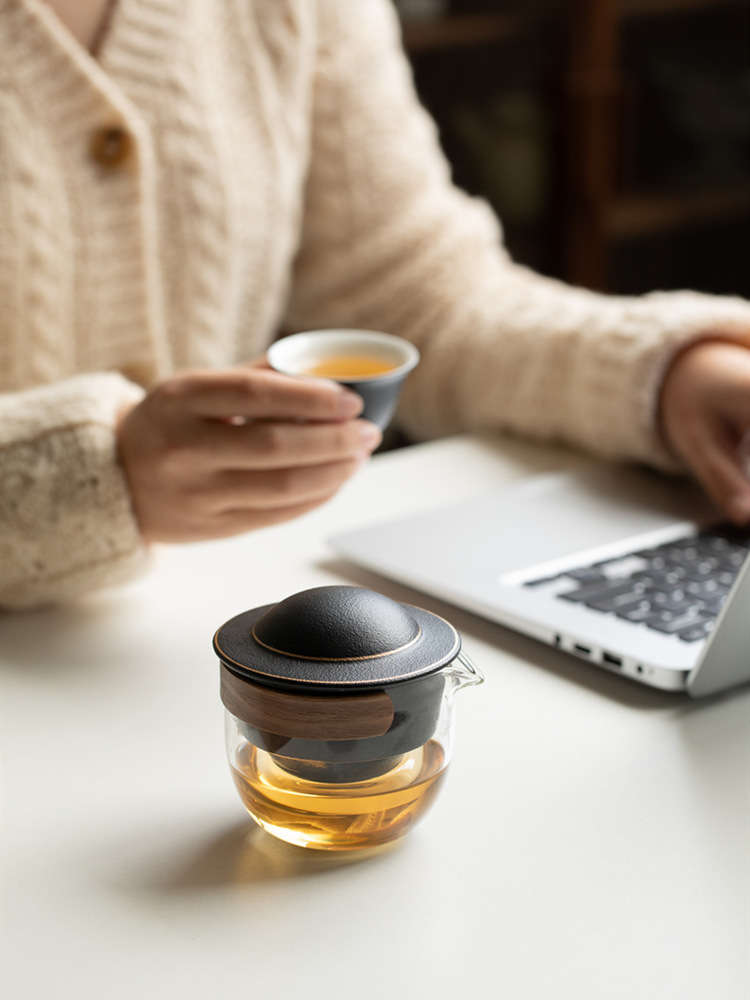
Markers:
{"x": 374, "y": 365}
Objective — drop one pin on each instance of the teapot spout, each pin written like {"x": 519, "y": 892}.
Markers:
{"x": 464, "y": 673}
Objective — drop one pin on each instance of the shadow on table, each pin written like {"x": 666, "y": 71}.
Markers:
{"x": 59, "y": 639}
{"x": 244, "y": 855}
{"x": 536, "y": 654}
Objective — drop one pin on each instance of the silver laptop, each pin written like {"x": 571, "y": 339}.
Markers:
{"x": 623, "y": 568}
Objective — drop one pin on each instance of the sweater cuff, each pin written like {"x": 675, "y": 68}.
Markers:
{"x": 662, "y": 325}
{"x": 66, "y": 522}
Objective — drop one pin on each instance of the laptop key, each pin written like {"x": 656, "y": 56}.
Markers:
{"x": 677, "y": 611}
{"x": 586, "y": 574}
{"x": 695, "y": 632}
{"x": 678, "y": 608}
{"x": 663, "y": 595}
{"x": 610, "y": 605}
{"x": 601, "y": 592}
{"x": 706, "y": 568}
{"x": 680, "y": 553}
{"x": 656, "y": 561}
{"x": 714, "y": 604}
{"x": 673, "y": 626}
{"x": 732, "y": 561}
{"x": 722, "y": 547}
{"x": 692, "y": 634}
{"x": 638, "y": 612}
{"x": 705, "y": 588}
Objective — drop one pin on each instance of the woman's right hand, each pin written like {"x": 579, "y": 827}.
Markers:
{"x": 212, "y": 454}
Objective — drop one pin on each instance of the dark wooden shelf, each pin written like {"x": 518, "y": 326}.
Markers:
{"x": 641, "y": 215}
{"x": 591, "y": 32}
{"x": 642, "y": 8}
{"x": 460, "y": 30}
{"x": 463, "y": 30}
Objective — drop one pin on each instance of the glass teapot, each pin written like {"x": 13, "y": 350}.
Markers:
{"x": 339, "y": 714}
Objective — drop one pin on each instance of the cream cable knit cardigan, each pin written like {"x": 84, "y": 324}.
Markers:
{"x": 280, "y": 172}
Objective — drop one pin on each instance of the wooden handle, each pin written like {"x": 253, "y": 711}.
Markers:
{"x": 310, "y": 716}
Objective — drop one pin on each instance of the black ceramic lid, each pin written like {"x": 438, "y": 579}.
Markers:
{"x": 336, "y": 637}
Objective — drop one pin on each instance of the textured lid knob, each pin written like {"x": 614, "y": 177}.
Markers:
{"x": 336, "y": 623}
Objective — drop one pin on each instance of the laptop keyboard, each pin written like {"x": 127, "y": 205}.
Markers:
{"x": 677, "y": 588}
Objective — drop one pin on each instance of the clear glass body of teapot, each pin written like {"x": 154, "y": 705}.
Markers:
{"x": 344, "y": 806}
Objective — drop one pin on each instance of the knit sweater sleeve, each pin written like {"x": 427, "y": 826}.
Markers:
{"x": 389, "y": 243}
{"x": 66, "y": 523}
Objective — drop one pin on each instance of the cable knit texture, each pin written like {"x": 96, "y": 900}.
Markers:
{"x": 280, "y": 172}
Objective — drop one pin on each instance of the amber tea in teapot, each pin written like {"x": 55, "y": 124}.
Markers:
{"x": 338, "y": 815}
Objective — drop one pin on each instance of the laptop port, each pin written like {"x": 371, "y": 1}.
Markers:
{"x": 582, "y": 649}
{"x": 611, "y": 659}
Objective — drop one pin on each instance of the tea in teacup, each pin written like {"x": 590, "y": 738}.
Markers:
{"x": 350, "y": 366}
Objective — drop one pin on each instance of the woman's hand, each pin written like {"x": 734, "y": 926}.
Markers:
{"x": 211, "y": 454}
{"x": 705, "y": 415}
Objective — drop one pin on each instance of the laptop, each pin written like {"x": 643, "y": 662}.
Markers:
{"x": 618, "y": 566}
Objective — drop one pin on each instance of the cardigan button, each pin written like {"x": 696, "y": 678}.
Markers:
{"x": 110, "y": 146}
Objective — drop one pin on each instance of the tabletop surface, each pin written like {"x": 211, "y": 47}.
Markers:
{"x": 590, "y": 841}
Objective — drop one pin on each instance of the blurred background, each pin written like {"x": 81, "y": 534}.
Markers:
{"x": 611, "y": 136}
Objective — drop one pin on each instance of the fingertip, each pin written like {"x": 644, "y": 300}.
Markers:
{"x": 738, "y": 508}
{"x": 370, "y": 435}
{"x": 348, "y": 403}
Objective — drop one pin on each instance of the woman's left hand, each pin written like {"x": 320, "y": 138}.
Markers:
{"x": 705, "y": 415}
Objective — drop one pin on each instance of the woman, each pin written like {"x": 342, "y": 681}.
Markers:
{"x": 178, "y": 181}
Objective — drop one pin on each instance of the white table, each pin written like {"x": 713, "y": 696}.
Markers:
{"x": 591, "y": 840}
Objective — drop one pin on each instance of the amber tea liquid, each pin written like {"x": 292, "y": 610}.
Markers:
{"x": 350, "y": 366}
{"x": 336, "y": 816}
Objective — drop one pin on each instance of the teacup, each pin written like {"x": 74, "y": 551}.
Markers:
{"x": 372, "y": 364}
